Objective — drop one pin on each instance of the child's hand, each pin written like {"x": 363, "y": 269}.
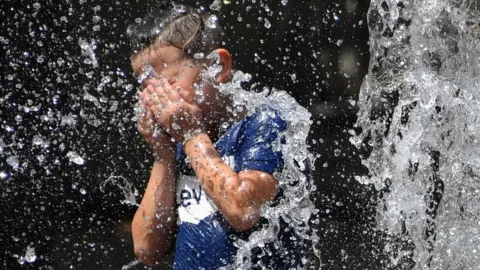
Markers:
{"x": 152, "y": 133}
{"x": 179, "y": 118}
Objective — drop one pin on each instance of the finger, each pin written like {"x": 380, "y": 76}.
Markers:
{"x": 168, "y": 96}
{"x": 143, "y": 130}
{"x": 155, "y": 82}
{"x": 146, "y": 120}
{"x": 146, "y": 96}
{"x": 185, "y": 95}
{"x": 149, "y": 115}
{"x": 173, "y": 95}
{"x": 142, "y": 99}
{"x": 156, "y": 97}
{"x": 149, "y": 90}
{"x": 160, "y": 107}
{"x": 160, "y": 86}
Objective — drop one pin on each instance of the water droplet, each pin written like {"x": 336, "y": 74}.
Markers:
{"x": 216, "y": 5}
{"x": 3, "y": 175}
{"x": 180, "y": 8}
{"x": 37, "y": 140}
{"x": 60, "y": 61}
{"x": 199, "y": 55}
{"x": 55, "y": 99}
{"x": 75, "y": 158}
{"x": 18, "y": 118}
{"x": 267, "y": 23}
{"x": 9, "y": 128}
{"x": 284, "y": 2}
{"x": 114, "y": 106}
{"x": 40, "y": 158}
{"x": 14, "y": 162}
{"x": 339, "y": 42}
{"x": 96, "y": 19}
{"x": 30, "y": 256}
{"x": 211, "y": 22}
{"x": 337, "y": 152}
{"x": 88, "y": 51}
{"x": 147, "y": 72}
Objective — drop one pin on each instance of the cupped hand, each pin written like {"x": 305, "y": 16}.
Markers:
{"x": 179, "y": 118}
{"x": 156, "y": 138}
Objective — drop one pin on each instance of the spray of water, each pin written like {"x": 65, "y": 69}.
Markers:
{"x": 296, "y": 208}
{"x": 419, "y": 112}
{"x": 129, "y": 192}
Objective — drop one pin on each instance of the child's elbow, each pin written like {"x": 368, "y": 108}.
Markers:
{"x": 147, "y": 255}
{"x": 242, "y": 218}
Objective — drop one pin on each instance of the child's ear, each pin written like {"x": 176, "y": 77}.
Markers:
{"x": 226, "y": 62}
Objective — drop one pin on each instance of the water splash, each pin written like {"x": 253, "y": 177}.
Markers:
{"x": 419, "y": 108}
{"x": 75, "y": 158}
{"x": 130, "y": 265}
{"x": 125, "y": 186}
{"x": 88, "y": 50}
{"x": 216, "y": 5}
{"x": 29, "y": 256}
{"x": 296, "y": 208}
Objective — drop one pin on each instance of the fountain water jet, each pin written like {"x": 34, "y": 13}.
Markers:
{"x": 419, "y": 107}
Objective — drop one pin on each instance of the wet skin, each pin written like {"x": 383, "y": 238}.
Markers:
{"x": 170, "y": 103}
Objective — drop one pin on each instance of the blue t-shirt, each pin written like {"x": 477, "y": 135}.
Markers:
{"x": 205, "y": 239}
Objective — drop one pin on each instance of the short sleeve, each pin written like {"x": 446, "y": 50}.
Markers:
{"x": 258, "y": 141}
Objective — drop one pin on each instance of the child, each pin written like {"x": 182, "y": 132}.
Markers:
{"x": 214, "y": 163}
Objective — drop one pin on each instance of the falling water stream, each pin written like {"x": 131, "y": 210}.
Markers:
{"x": 420, "y": 116}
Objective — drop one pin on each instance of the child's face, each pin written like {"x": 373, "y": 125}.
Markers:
{"x": 183, "y": 73}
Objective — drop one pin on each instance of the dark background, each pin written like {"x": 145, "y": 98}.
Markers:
{"x": 315, "y": 50}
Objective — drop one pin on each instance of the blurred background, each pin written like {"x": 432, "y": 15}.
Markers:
{"x": 69, "y": 151}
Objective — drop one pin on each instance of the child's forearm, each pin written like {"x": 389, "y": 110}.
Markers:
{"x": 154, "y": 223}
{"x": 238, "y": 196}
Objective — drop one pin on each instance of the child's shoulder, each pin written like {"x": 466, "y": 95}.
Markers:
{"x": 266, "y": 115}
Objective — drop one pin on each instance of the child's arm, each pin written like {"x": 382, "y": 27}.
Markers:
{"x": 153, "y": 226}
{"x": 154, "y": 223}
{"x": 240, "y": 196}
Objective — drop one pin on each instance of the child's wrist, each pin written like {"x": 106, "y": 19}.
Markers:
{"x": 164, "y": 156}
{"x": 191, "y": 134}
{"x": 164, "y": 150}
{"x": 197, "y": 138}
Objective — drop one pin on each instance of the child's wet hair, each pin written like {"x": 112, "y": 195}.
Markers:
{"x": 175, "y": 25}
